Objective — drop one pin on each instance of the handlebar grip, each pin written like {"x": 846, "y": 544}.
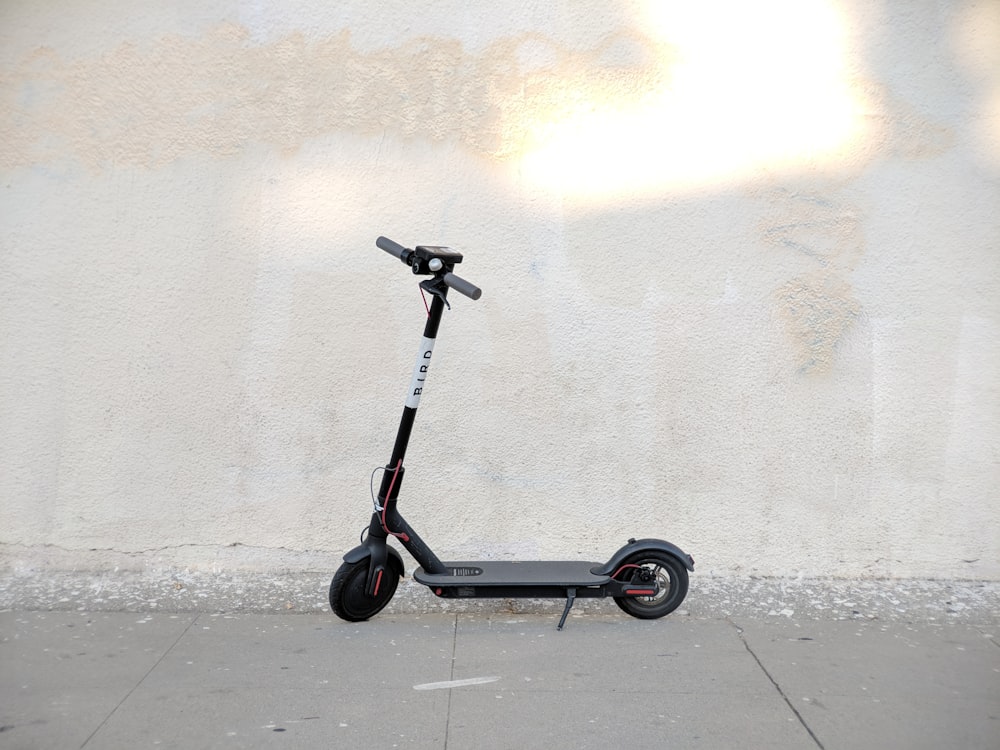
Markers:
{"x": 462, "y": 286}
{"x": 393, "y": 248}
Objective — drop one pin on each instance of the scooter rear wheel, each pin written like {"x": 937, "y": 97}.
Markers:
{"x": 348, "y": 599}
{"x": 669, "y": 573}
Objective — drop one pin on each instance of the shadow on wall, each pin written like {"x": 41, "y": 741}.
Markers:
{"x": 685, "y": 96}
{"x": 734, "y": 130}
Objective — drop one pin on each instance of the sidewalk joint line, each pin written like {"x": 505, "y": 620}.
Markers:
{"x": 451, "y": 676}
{"x": 989, "y": 636}
{"x": 777, "y": 687}
{"x": 141, "y": 680}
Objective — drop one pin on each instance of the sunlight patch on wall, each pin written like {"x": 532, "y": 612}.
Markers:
{"x": 975, "y": 40}
{"x": 746, "y": 86}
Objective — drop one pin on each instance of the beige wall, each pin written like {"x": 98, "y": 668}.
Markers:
{"x": 740, "y": 270}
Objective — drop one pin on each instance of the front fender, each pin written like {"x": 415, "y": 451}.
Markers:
{"x": 642, "y": 545}
{"x": 375, "y": 550}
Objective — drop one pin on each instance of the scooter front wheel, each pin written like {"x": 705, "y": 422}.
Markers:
{"x": 670, "y": 575}
{"x": 348, "y": 599}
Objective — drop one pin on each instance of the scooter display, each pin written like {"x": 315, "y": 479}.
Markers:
{"x": 648, "y": 578}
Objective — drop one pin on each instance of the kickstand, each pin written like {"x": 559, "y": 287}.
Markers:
{"x": 570, "y": 598}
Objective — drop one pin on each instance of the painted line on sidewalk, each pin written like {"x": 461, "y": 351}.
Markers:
{"x": 455, "y": 683}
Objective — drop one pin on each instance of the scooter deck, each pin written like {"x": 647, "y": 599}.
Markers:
{"x": 527, "y": 574}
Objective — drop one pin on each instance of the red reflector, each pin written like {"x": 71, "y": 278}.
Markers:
{"x": 639, "y": 592}
{"x": 378, "y": 582}
{"x": 437, "y": 592}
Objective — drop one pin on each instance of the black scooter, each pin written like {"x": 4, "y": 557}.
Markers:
{"x": 648, "y": 578}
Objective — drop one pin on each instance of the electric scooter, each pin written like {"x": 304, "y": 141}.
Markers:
{"x": 648, "y": 578}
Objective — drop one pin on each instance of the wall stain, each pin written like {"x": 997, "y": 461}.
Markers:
{"x": 817, "y": 307}
{"x": 813, "y": 225}
{"x": 151, "y": 103}
{"x": 896, "y": 128}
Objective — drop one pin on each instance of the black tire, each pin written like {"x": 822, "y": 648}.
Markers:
{"x": 348, "y": 599}
{"x": 672, "y": 577}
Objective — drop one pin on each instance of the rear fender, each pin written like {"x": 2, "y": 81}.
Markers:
{"x": 642, "y": 545}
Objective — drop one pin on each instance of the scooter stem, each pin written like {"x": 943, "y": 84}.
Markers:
{"x": 392, "y": 477}
{"x": 415, "y": 391}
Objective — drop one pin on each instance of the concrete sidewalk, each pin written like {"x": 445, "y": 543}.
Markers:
{"x": 481, "y": 680}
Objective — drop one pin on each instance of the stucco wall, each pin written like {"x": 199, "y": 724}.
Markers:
{"x": 740, "y": 263}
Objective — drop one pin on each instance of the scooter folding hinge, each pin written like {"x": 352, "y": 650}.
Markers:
{"x": 392, "y": 480}
{"x": 437, "y": 288}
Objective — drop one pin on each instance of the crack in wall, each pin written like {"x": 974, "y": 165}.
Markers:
{"x": 162, "y": 563}
{"x": 147, "y": 551}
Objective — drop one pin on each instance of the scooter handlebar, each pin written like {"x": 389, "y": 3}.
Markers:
{"x": 393, "y": 248}
{"x": 457, "y": 283}
{"x": 462, "y": 286}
